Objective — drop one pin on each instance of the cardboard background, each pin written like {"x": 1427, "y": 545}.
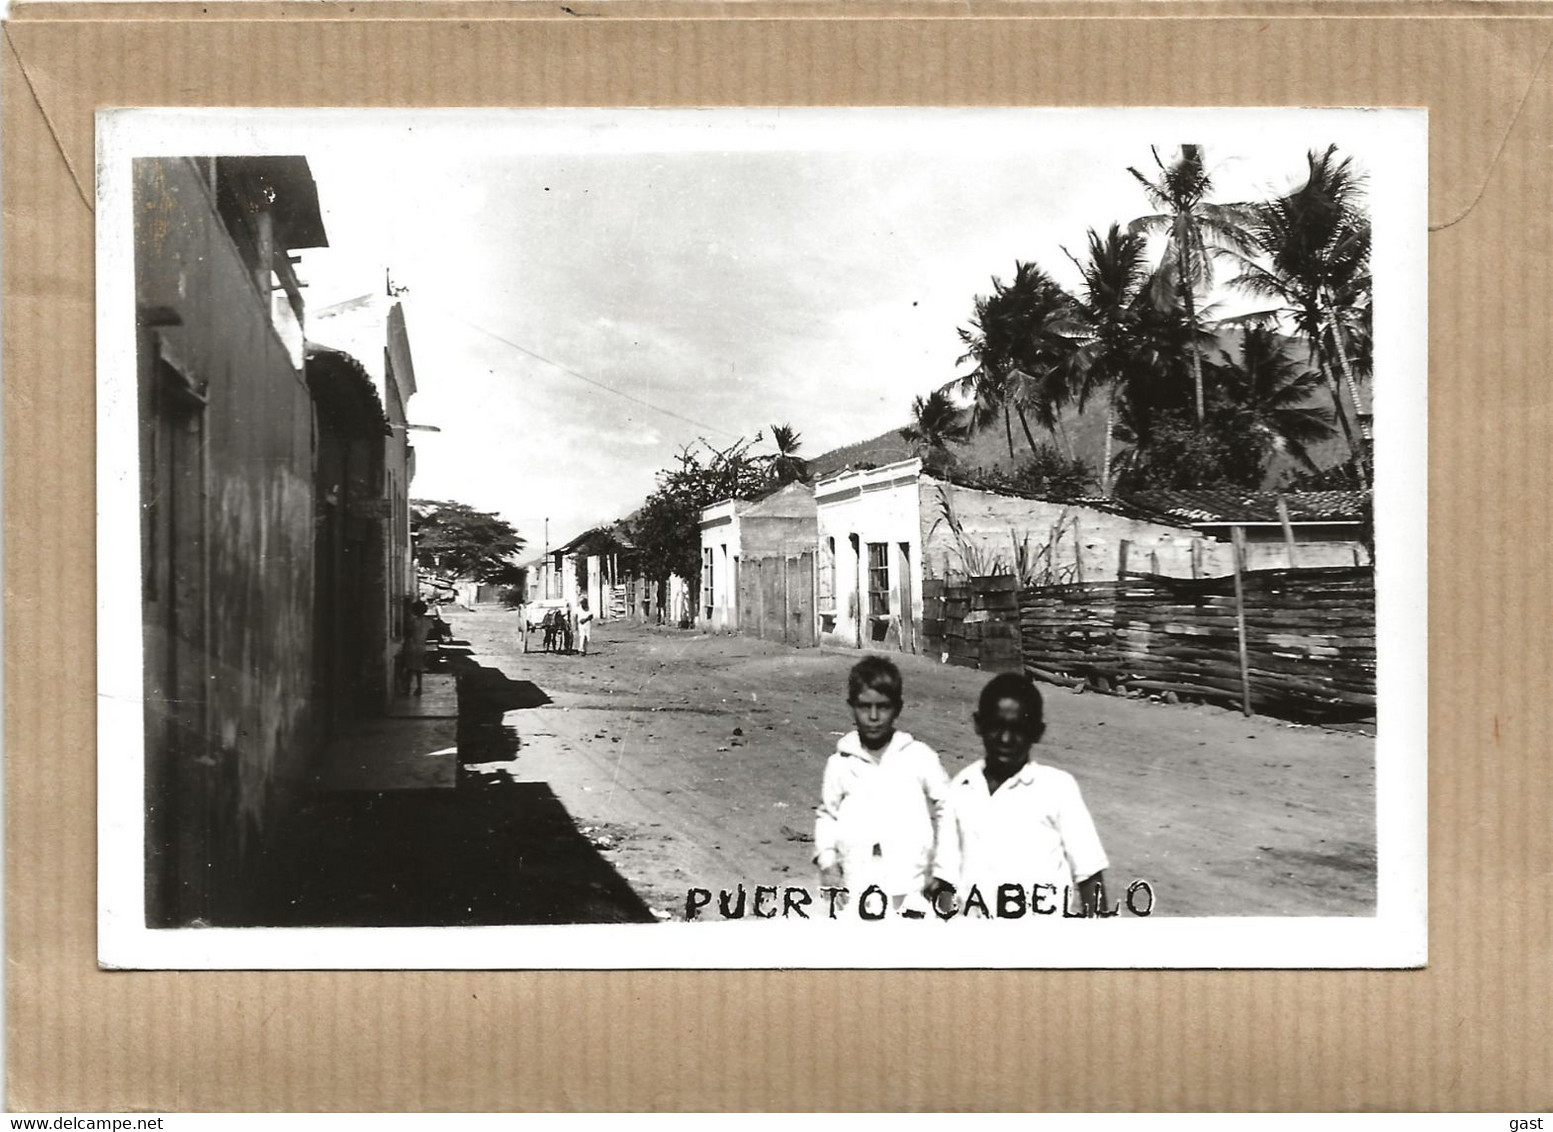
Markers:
{"x": 1471, "y": 1032}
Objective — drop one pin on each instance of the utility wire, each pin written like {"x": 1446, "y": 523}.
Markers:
{"x": 593, "y": 381}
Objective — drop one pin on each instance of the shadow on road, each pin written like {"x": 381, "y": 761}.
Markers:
{"x": 490, "y": 850}
{"x": 485, "y": 696}
{"x": 493, "y": 851}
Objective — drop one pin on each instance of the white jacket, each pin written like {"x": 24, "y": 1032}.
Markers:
{"x": 878, "y": 813}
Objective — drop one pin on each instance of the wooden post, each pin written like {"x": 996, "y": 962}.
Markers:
{"x": 1121, "y": 558}
{"x": 1154, "y": 562}
{"x": 1197, "y": 558}
{"x": 1288, "y": 530}
{"x": 1240, "y": 622}
{"x": 1078, "y": 552}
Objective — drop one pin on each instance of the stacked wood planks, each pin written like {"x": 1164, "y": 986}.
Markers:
{"x": 973, "y": 622}
{"x": 996, "y": 598}
{"x": 933, "y": 615}
{"x": 1310, "y": 637}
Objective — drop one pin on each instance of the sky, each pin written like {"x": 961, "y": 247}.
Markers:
{"x": 586, "y": 292}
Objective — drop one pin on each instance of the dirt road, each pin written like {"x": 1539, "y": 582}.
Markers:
{"x": 693, "y": 759}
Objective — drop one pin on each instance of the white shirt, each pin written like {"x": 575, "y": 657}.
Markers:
{"x": 878, "y": 813}
{"x": 1034, "y": 829}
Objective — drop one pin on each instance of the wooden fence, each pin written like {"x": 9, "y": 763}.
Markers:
{"x": 776, "y": 599}
{"x": 973, "y": 622}
{"x": 1292, "y": 642}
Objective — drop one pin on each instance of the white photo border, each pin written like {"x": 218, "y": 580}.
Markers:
{"x": 1394, "y": 146}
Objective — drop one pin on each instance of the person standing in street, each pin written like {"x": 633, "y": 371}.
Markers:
{"x": 584, "y": 627}
{"x": 416, "y": 626}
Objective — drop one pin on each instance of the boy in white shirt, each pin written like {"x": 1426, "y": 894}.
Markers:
{"x": 880, "y": 798}
{"x": 1010, "y": 820}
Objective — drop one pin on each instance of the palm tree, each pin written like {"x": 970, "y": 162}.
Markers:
{"x": 1316, "y": 241}
{"x": 935, "y": 424}
{"x": 1019, "y": 354}
{"x": 1114, "y": 353}
{"x": 1269, "y": 396}
{"x": 787, "y": 466}
{"x": 1197, "y": 231}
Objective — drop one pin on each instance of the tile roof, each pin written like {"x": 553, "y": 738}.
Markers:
{"x": 1231, "y": 505}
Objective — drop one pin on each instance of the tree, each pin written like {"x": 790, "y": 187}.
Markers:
{"x": 1259, "y": 404}
{"x": 1182, "y": 454}
{"x": 787, "y": 466}
{"x": 1020, "y": 355}
{"x": 1053, "y": 475}
{"x": 935, "y": 424}
{"x": 1196, "y": 231}
{"x": 667, "y": 530}
{"x": 453, "y": 540}
{"x": 1119, "y": 348}
{"x": 1316, "y": 243}
{"x": 1269, "y": 396}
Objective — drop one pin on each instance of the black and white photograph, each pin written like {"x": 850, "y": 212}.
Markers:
{"x": 852, "y": 537}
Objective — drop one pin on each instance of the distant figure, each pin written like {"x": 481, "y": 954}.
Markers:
{"x": 416, "y": 626}
{"x": 552, "y": 626}
{"x": 584, "y": 627}
{"x": 569, "y": 628}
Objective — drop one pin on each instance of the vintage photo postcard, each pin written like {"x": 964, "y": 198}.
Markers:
{"x": 762, "y": 538}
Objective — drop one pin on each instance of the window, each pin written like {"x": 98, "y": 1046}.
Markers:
{"x": 878, "y": 579}
{"x": 706, "y": 580}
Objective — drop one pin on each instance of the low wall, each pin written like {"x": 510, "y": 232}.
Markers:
{"x": 967, "y": 532}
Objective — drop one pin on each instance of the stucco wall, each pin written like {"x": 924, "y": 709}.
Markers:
{"x": 1063, "y": 542}
{"x": 767, "y": 536}
{"x": 229, "y": 669}
{"x": 1314, "y": 545}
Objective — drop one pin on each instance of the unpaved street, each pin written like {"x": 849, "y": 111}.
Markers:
{"x": 692, "y": 759}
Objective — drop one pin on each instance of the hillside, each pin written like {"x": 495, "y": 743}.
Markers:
{"x": 989, "y": 451}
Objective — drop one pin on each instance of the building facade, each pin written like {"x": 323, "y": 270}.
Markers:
{"x": 227, "y": 541}
{"x": 740, "y": 537}
{"x": 371, "y": 334}
{"x": 881, "y": 531}
{"x": 275, "y": 547}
